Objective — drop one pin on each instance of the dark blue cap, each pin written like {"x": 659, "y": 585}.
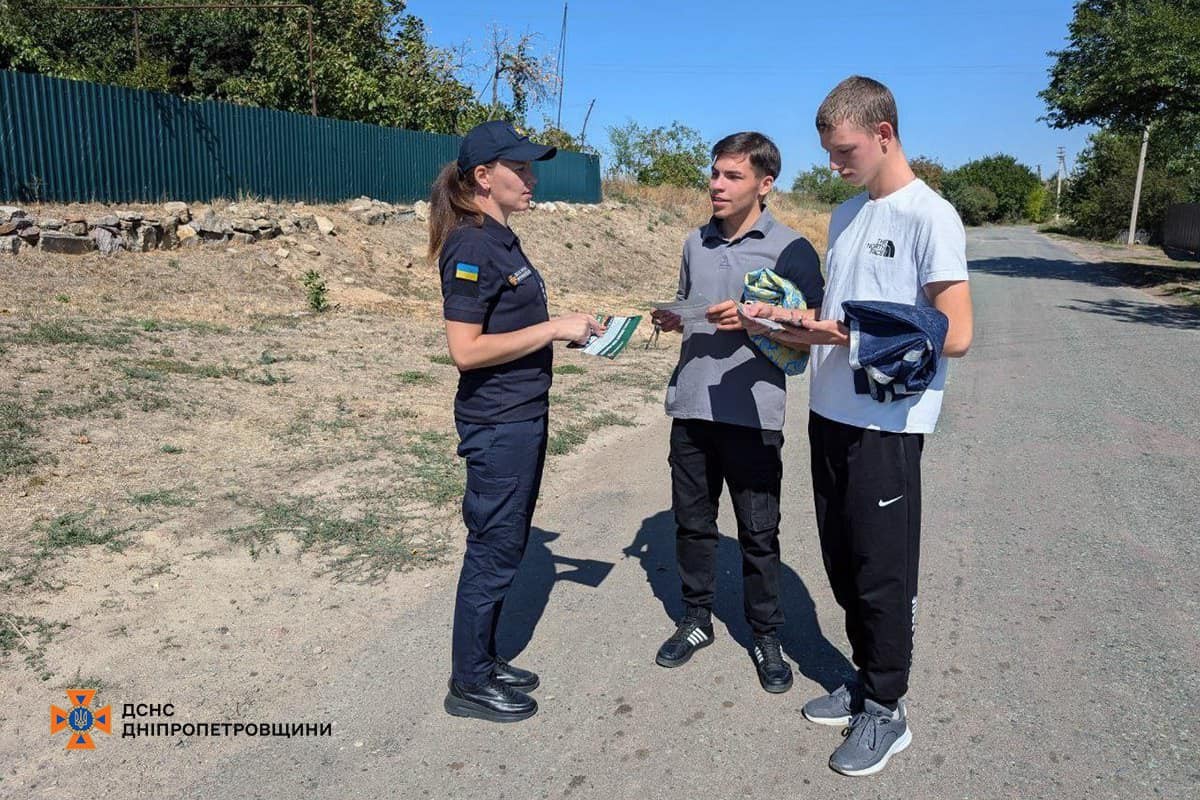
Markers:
{"x": 498, "y": 139}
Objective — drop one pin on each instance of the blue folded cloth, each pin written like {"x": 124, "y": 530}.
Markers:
{"x": 894, "y": 348}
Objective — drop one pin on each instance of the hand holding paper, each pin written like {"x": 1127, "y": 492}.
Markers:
{"x": 616, "y": 333}
{"x": 687, "y": 311}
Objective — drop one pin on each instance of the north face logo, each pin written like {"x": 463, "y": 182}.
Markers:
{"x": 882, "y": 247}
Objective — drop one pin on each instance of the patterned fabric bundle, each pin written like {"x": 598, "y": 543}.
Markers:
{"x": 764, "y": 286}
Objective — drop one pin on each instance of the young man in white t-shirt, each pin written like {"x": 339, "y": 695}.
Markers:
{"x": 899, "y": 242}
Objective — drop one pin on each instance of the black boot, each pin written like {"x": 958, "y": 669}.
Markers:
{"x": 490, "y": 700}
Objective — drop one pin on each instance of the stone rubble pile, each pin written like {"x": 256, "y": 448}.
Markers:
{"x": 179, "y": 225}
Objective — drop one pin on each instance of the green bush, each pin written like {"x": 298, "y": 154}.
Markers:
{"x": 675, "y": 156}
{"x": 317, "y": 292}
{"x": 1038, "y": 204}
{"x": 824, "y": 185}
{"x": 1008, "y": 180}
{"x": 929, "y": 170}
{"x": 975, "y": 204}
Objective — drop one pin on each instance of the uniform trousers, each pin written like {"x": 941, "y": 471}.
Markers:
{"x": 504, "y": 475}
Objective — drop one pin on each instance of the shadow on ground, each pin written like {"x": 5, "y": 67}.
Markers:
{"x": 530, "y": 592}
{"x": 1106, "y": 275}
{"x": 803, "y": 642}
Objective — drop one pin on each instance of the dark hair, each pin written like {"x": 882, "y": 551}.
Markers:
{"x": 451, "y": 202}
{"x": 863, "y": 102}
{"x": 764, "y": 155}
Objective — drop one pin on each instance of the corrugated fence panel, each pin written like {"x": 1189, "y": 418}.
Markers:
{"x": 1181, "y": 229}
{"x": 72, "y": 141}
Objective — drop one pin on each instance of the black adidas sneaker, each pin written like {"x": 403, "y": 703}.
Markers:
{"x": 774, "y": 673}
{"x": 692, "y": 634}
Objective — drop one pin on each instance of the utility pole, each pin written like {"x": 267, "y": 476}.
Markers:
{"x": 496, "y": 73}
{"x": 1137, "y": 187}
{"x": 562, "y": 65}
{"x": 1062, "y": 169}
{"x": 583, "y": 132}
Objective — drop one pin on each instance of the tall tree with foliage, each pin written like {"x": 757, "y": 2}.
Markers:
{"x": 373, "y": 62}
{"x": 530, "y": 78}
{"x": 1098, "y": 193}
{"x": 1128, "y": 63}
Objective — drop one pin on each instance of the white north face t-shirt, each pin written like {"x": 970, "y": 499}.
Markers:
{"x": 885, "y": 249}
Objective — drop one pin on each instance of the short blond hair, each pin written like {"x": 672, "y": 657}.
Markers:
{"x": 863, "y": 102}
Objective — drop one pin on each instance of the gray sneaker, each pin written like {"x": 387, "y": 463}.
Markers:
{"x": 837, "y": 707}
{"x": 874, "y": 736}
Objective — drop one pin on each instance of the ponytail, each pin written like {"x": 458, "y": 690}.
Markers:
{"x": 451, "y": 202}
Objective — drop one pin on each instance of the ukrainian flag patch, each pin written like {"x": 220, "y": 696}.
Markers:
{"x": 466, "y": 272}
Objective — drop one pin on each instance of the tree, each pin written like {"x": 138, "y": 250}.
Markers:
{"x": 975, "y": 204}
{"x": 1128, "y": 63}
{"x": 822, "y": 184}
{"x": 372, "y": 60}
{"x": 530, "y": 78}
{"x": 1097, "y": 197}
{"x": 676, "y": 155}
{"x": 1010, "y": 182}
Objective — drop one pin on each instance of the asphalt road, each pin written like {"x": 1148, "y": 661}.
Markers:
{"x": 1058, "y": 638}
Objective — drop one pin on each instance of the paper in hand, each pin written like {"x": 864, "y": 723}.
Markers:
{"x": 689, "y": 310}
{"x": 769, "y": 324}
{"x": 610, "y": 343}
{"x": 765, "y": 322}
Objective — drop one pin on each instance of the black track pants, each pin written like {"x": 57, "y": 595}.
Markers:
{"x": 867, "y": 491}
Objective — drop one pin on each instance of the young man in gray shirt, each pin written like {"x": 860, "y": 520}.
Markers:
{"x": 727, "y": 400}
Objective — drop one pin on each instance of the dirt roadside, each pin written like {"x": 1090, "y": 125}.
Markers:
{"x": 1143, "y": 266}
{"x": 198, "y": 472}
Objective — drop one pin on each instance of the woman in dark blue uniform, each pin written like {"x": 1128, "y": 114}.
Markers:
{"x": 499, "y": 333}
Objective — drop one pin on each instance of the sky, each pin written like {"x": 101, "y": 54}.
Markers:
{"x": 965, "y": 75}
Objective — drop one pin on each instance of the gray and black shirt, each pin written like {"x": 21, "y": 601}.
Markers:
{"x": 721, "y": 375}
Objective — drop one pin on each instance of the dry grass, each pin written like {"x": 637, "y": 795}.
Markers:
{"x": 693, "y": 208}
{"x": 189, "y": 403}
{"x": 201, "y": 480}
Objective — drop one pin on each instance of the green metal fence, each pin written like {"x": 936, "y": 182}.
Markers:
{"x": 71, "y": 141}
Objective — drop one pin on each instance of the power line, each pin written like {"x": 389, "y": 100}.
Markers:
{"x": 726, "y": 69}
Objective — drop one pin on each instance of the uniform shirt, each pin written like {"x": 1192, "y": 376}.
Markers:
{"x": 885, "y": 249}
{"x": 488, "y": 281}
{"x": 721, "y": 375}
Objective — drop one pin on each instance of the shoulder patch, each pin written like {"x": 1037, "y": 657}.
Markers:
{"x": 466, "y": 272}
{"x": 519, "y": 275}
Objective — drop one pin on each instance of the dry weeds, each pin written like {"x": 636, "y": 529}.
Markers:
{"x": 184, "y": 445}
